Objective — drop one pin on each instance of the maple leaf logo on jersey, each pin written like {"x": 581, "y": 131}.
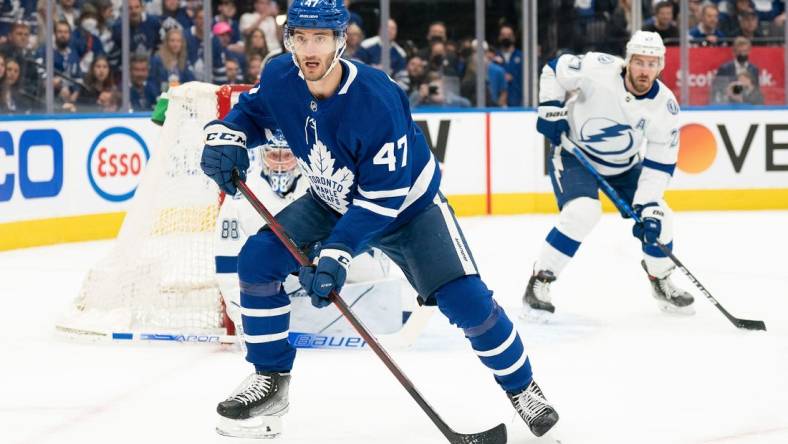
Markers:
{"x": 332, "y": 187}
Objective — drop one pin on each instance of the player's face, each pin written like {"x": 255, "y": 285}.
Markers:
{"x": 314, "y": 50}
{"x": 642, "y": 72}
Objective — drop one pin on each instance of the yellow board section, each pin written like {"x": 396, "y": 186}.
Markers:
{"x": 680, "y": 200}
{"x": 34, "y": 233}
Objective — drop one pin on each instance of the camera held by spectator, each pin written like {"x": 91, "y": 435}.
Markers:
{"x": 744, "y": 90}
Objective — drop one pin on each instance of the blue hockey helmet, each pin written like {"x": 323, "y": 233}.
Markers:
{"x": 318, "y": 14}
{"x": 279, "y": 164}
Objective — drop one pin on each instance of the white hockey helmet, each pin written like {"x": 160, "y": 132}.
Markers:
{"x": 648, "y": 44}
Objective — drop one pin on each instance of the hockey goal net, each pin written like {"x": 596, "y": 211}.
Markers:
{"x": 158, "y": 281}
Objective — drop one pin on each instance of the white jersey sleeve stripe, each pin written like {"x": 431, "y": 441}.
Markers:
{"x": 375, "y": 208}
{"x": 265, "y": 312}
{"x": 501, "y": 348}
{"x": 399, "y": 192}
{"x": 421, "y": 184}
{"x": 260, "y": 339}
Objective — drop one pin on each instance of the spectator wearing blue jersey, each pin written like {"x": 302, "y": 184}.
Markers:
{"x": 227, "y": 10}
{"x": 142, "y": 93}
{"x": 221, "y": 51}
{"x": 511, "y": 59}
{"x": 85, "y": 39}
{"x": 143, "y": 29}
{"x": 13, "y": 11}
{"x": 371, "y": 50}
{"x": 169, "y": 67}
{"x": 172, "y": 9}
{"x": 64, "y": 59}
{"x": 707, "y": 33}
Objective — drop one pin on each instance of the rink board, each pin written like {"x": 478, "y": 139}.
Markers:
{"x": 71, "y": 178}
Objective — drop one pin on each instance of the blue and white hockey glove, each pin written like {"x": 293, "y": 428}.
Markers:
{"x": 329, "y": 274}
{"x": 552, "y": 121}
{"x": 224, "y": 150}
{"x": 650, "y": 226}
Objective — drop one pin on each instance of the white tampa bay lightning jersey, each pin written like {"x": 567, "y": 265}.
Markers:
{"x": 359, "y": 149}
{"x": 612, "y": 125}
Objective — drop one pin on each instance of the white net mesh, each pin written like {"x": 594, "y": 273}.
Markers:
{"x": 160, "y": 274}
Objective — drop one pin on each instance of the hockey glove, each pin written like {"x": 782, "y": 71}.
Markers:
{"x": 329, "y": 274}
{"x": 650, "y": 226}
{"x": 224, "y": 150}
{"x": 552, "y": 121}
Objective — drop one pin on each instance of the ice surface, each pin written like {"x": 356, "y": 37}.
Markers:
{"x": 617, "y": 369}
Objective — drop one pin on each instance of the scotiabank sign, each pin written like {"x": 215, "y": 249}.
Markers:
{"x": 115, "y": 162}
{"x": 705, "y": 61}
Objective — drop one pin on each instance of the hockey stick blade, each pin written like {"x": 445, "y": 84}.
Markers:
{"x": 496, "y": 435}
{"x": 751, "y": 325}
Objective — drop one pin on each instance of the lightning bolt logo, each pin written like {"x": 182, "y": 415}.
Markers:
{"x": 591, "y": 133}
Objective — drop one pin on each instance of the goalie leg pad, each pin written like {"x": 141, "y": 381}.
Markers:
{"x": 470, "y": 306}
{"x": 263, "y": 264}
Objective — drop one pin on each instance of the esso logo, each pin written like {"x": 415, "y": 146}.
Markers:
{"x": 115, "y": 163}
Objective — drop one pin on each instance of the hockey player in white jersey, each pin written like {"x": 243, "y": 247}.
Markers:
{"x": 275, "y": 179}
{"x": 611, "y": 108}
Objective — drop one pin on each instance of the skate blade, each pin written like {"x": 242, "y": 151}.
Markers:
{"x": 671, "y": 309}
{"x": 259, "y": 427}
{"x": 536, "y": 316}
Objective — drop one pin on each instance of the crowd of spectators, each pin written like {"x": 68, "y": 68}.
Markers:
{"x": 166, "y": 47}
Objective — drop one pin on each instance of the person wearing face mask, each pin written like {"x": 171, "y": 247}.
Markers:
{"x": 435, "y": 33}
{"x": 85, "y": 38}
{"x": 729, "y": 71}
{"x": 511, "y": 59}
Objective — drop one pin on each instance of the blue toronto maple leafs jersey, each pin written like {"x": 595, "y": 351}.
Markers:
{"x": 362, "y": 153}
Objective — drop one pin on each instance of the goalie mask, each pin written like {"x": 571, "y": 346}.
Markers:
{"x": 279, "y": 164}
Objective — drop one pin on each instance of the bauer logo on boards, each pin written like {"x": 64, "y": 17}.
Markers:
{"x": 115, "y": 163}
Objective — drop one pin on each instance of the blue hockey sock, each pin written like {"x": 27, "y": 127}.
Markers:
{"x": 469, "y": 305}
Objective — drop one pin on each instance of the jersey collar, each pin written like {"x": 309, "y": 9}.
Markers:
{"x": 650, "y": 94}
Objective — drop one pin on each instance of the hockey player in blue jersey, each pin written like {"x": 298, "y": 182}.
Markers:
{"x": 611, "y": 108}
{"x": 373, "y": 183}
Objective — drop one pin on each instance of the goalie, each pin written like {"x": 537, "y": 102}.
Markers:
{"x": 275, "y": 179}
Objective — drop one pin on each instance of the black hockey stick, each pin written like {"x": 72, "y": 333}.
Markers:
{"x": 625, "y": 208}
{"x": 496, "y": 435}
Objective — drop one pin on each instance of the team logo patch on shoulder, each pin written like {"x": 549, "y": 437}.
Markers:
{"x": 604, "y": 59}
{"x": 673, "y": 107}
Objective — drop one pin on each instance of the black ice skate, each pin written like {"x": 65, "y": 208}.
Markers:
{"x": 536, "y": 300}
{"x": 533, "y": 407}
{"x": 255, "y": 409}
{"x": 670, "y": 298}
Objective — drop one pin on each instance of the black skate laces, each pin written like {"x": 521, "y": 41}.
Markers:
{"x": 530, "y": 403}
{"x": 256, "y": 387}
